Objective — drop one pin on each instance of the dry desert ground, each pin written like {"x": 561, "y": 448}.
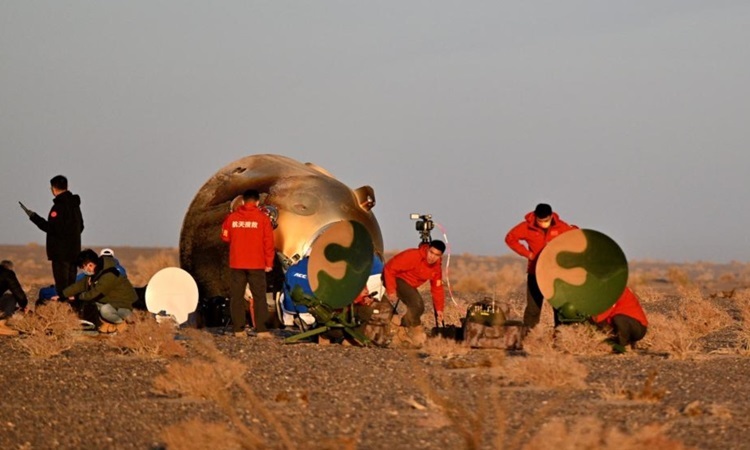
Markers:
{"x": 156, "y": 387}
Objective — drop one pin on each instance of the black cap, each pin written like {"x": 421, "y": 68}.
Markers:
{"x": 439, "y": 245}
{"x": 543, "y": 210}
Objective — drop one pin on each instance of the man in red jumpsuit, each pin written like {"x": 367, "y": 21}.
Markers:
{"x": 538, "y": 228}
{"x": 627, "y": 319}
{"x": 251, "y": 251}
{"x": 408, "y": 270}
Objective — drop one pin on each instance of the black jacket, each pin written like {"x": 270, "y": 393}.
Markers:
{"x": 63, "y": 226}
{"x": 8, "y": 281}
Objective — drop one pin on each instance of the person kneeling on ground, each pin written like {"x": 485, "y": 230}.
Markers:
{"x": 627, "y": 319}
{"x": 9, "y": 301}
{"x": 408, "y": 270}
{"x": 107, "y": 287}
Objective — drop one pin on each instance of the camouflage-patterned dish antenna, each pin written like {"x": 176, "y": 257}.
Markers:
{"x": 340, "y": 263}
{"x": 583, "y": 268}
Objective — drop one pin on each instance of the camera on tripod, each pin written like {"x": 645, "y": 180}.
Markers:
{"x": 424, "y": 226}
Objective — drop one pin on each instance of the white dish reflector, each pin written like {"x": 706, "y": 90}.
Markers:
{"x": 173, "y": 291}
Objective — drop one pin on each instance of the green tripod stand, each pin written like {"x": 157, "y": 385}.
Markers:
{"x": 327, "y": 318}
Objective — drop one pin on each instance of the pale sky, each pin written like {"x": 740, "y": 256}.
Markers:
{"x": 631, "y": 118}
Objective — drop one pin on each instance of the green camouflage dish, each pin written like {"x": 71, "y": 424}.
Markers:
{"x": 585, "y": 268}
{"x": 340, "y": 263}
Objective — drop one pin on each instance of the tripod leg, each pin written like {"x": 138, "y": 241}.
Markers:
{"x": 305, "y": 335}
{"x": 357, "y": 336}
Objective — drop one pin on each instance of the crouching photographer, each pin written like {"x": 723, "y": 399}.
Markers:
{"x": 407, "y": 271}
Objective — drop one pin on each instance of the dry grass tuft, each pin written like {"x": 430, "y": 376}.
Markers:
{"x": 592, "y": 433}
{"x": 490, "y": 358}
{"x": 647, "y": 394}
{"x": 704, "y": 317}
{"x": 50, "y": 330}
{"x": 442, "y": 403}
{"x": 540, "y": 341}
{"x": 648, "y": 294}
{"x": 440, "y": 347}
{"x": 673, "y": 335}
{"x": 743, "y": 303}
{"x": 547, "y": 371}
{"x": 679, "y": 277}
{"x": 581, "y": 339}
{"x": 201, "y": 379}
{"x": 215, "y": 377}
{"x": 697, "y": 408}
{"x": 679, "y": 333}
{"x": 147, "y": 337}
{"x": 144, "y": 268}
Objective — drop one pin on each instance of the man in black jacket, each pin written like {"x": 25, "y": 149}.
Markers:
{"x": 63, "y": 226}
{"x": 8, "y": 301}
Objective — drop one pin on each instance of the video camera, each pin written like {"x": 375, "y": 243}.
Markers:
{"x": 424, "y": 226}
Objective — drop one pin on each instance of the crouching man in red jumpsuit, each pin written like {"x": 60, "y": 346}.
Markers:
{"x": 408, "y": 270}
{"x": 627, "y": 319}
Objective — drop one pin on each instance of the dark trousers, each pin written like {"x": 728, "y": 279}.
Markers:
{"x": 7, "y": 305}
{"x": 413, "y": 301}
{"x": 363, "y": 313}
{"x": 534, "y": 301}
{"x": 256, "y": 278}
{"x": 627, "y": 330}
{"x": 64, "y": 273}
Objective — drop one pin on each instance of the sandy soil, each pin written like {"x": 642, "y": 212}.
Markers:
{"x": 334, "y": 396}
{"x": 93, "y": 397}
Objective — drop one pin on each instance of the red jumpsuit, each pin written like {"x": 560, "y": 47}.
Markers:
{"x": 404, "y": 273}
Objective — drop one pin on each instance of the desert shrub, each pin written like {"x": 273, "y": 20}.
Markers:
{"x": 679, "y": 277}
{"x": 678, "y": 333}
{"x": 552, "y": 370}
{"x": 50, "y": 330}
{"x": 448, "y": 405}
{"x": 672, "y": 334}
{"x": 144, "y": 268}
{"x": 743, "y": 275}
{"x": 689, "y": 291}
{"x": 440, "y": 347}
{"x": 581, "y": 339}
{"x": 698, "y": 408}
{"x": 147, "y": 337}
{"x": 200, "y": 379}
{"x": 743, "y": 303}
{"x": 703, "y": 316}
{"x": 648, "y": 393}
{"x": 592, "y": 433}
{"x": 648, "y": 294}
{"x": 728, "y": 278}
{"x": 215, "y": 377}
{"x": 705, "y": 275}
{"x": 540, "y": 340}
